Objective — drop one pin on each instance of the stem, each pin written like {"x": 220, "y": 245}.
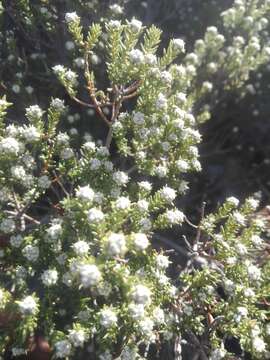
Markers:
{"x": 198, "y": 235}
{"x": 109, "y": 137}
{"x": 91, "y": 90}
{"x": 115, "y": 112}
{"x": 190, "y": 223}
{"x": 168, "y": 242}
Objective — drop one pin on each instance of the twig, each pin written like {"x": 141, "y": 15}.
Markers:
{"x": 198, "y": 235}
{"x": 96, "y": 105}
{"x": 115, "y": 112}
{"x": 81, "y": 102}
{"x": 30, "y": 218}
{"x": 57, "y": 179}
{"x": 91, "y": 90}
{"x": 130, "y": 170}
{"x": 170, "y": 243}
{"x": 190, "y": 223}
{"x": 130, "y": 96}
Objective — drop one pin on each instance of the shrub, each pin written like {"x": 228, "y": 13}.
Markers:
{"x": 78, "y": 222}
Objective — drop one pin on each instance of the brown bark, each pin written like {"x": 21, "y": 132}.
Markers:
{"x": 39, "y": 348}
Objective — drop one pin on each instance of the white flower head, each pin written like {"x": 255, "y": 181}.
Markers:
{"x": 256, "y": 240}
{"x": 248, "y": 292}
{"x": 31, "y": 252}
{"x": 114, "y": 24}
{"x": 54, "y": 231}
{"x": 7, "y": 226}
{"x": 108, "y": 318}
{"x": 241, "y": 312}
{"x": 59, "y": 69}
{"x": 181, "y": 98}
{"x": 150, "y": 59}
{"x": 122, "y": 203}
{"x": 145, "y": 224}
{"x": 77, "y": 337}
{"x": 31, "y": 133}
{"x": 233, "y": 201}
{"x": 168, "y": 194}
{"x": 143, "y": 205}
{"x": 158, "y": 316}
{"x": 85, "y": 193}
{"x": 229, "y": 286}
{"x": 44, "y": 182}
{"x": 141, "y": 241}
{"x": 258, "y": 344}
{"x": 116, "y": 9}
{"x": 182, "y": 165}
{"x": 179, "y": 45}
{"x": 62, "y": 349}
{"x": 116, "y": 244}
{"x": 136, "y": 56}
{"x": 89, "y": 275}
{"x": 136, "y": 311}
{"x": 146, "y": 327}
{"x": 9, "y": 145}
{"x": 28, "y": 306}
{"x": 252, "y": 203}
{"x": 120, "y": 178}
{"x": 166, "y": 77}
{"x": 241, "y": 249}
{"x": 254, "y": 273}
{"x": 95, "y": 215}
{"x": 62, "y": 138}
{"x": 81, "y": 247}
{"x": 58, "y": 104}
{"x": 49, "y": 277}
{"x": 18, "y": 172}
{"x": 218, "y": 354}
{"x": 145, "y": 185}
{"x": 71, "y": 76}
{"x": 67, "y": 153}
{"x": 16, "y": 240}
{"x": 135, "y": 25}
{"x": 16, "y": 88}
{"x": 239, "y": 218}
{"x": 162, "y": 261}
{"x": 71, "y": 17}
{"x": 161, "y": 102}
{"x": 34, "y": 112}
{"x": 138, "y": 118}
{"x": 141, "y": 294}
{"x": 95, "y": 164}
{"x": 104, "y": 289}
{"x": 161, "y": 170}
{"x": 79, "y": 62}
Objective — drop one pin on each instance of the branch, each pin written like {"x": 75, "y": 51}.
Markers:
{"x": 115, "y": 112}
{"x": 179, "y": 249}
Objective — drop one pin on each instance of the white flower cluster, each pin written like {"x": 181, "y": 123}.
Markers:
{"x": 89, "y": 275}
{"x": 115, "y": 244}
{"x": 9, "y": 145}
{"x": 108, "y": 318}
{"x": 49, "y": 277}
{"x": 28, "y": 306}
{"x": 85, "y": 193}
{"x": 71, "y": 17}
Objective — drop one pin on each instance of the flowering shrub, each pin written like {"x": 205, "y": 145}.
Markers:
{"x": 78, "y": 223}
